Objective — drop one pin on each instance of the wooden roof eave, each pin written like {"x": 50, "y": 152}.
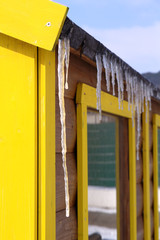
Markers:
{"x": 87, "y": 47}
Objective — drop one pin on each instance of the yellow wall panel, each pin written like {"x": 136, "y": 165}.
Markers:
{"x": 18, "y": 140}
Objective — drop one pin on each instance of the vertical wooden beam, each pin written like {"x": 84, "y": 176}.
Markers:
{"x": 132, "y": 177}
{"x": 123, "y": 155}
{"x": 156, "y": 124}
{"x": 82, "y": 171}
{"x": 146, "y": 175}
{"x": 46, "y": 135}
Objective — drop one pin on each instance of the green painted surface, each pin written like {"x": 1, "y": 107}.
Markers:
{"x": 101, "y": 154}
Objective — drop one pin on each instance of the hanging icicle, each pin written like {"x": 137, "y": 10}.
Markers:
{"x": 113, "y": 71}
{"x": 61, "y": 76}
{"x": 107, "y": 68}
{"x": 67, "y": 55}
{"x": 118, "y": 83}
{"x": 99, "y": 78}
{"x": 138, "y": 92}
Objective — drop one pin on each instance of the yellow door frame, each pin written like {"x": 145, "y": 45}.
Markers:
{"x": 86, "y": 98}
{"x": 156, "y": 125}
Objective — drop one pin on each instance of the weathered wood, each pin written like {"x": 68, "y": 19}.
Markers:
{"x": 139, "y": 199}
{"x": 71, "y": 125}
{"x": 151, "y": 193}
{"x": 81, "y": 71}
{"x": 124, "y": 179}
{"x": 155, "y": 107}
{"x": 152, "y": 222}
{"x": 66, "y": 228}
{"x": 139, "y": 168}
{"x": 151, "y": 164}
{"x": 72, "y": 177}
{"x": 140, "y": 228}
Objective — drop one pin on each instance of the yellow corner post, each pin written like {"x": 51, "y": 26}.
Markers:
{"x": 146, "y": 175}
{"x": 18, "y": 139}
{"x": 156, "y": 125}
{"x": 38, "y": 22}
{"x": 46, "y": 116}
{"x": 86, "y": 98}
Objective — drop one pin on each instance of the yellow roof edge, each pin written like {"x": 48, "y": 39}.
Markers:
{"x": 37, "y": 22}
{"x": 60, "y": 29}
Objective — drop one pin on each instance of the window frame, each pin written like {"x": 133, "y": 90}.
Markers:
{"x": 86, "y": 98}
{"x": 156, "y": 125}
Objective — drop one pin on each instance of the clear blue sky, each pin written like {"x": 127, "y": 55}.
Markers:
{"x": 130, "y": 28}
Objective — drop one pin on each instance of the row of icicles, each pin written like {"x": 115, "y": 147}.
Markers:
{"x": 138, "y": 93}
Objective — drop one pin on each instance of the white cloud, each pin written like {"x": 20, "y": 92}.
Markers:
{"x": 138, "y": 46}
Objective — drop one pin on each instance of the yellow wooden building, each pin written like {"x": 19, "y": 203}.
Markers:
{"x": 32, "y": 187}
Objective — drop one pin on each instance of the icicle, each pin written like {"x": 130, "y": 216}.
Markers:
{"x": 99, "y": 78}
{"x": 138, "y": 112}
{"x": 132, "y": 97}
{"x": 113, "y": 71}
{"x": 106, "y": 65}
{"x": 118, "y": 83}
{"x": 146, "y": 98}
{"x": 142, "y": 96}
{"x": 61, "y": 58}
{"x": 121, "y": 85}
{"x": 128, "y": 88}
{"x": 67, "y": 54}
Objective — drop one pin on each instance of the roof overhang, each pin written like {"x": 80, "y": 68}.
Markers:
{"x": 38, "y": 22}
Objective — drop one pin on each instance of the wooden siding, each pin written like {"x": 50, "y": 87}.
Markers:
{"x": 82, "y": 71}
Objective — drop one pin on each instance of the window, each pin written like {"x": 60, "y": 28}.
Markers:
{"x": 102, "y": 184}
{"x": 86, "y": 99}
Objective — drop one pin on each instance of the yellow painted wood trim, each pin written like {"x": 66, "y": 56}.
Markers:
{"x": 132, "y": 182}
{"x": 146, "y": 175}
{"x": 156, "y": 124}
{"x": 117, "y": 180}
{"x": 86, "y": 98}
{"x": 47, "y": 200}
{"x": 37, "y": 22}
{"x": 109, "y": 103}
{"x": 82, "y": 171}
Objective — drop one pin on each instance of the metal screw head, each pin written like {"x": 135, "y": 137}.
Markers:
{"x": 48, "y": 24}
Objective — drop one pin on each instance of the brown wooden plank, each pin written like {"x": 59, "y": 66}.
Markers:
{"x": 66, "y": 228}
{"x": 151, "y": 164}
{"x": 155, "y": 107}
{"x": 139, "y": 199}
{"x": 71, "y": 125}
{"x": 151, "y": 193}
{"x": 139, "y": 169}
{"x": 152, "y": 223}
{"x": 124, "y": 179}
{"x": 140, "y": 228}
{"x": 72, "y": 177}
